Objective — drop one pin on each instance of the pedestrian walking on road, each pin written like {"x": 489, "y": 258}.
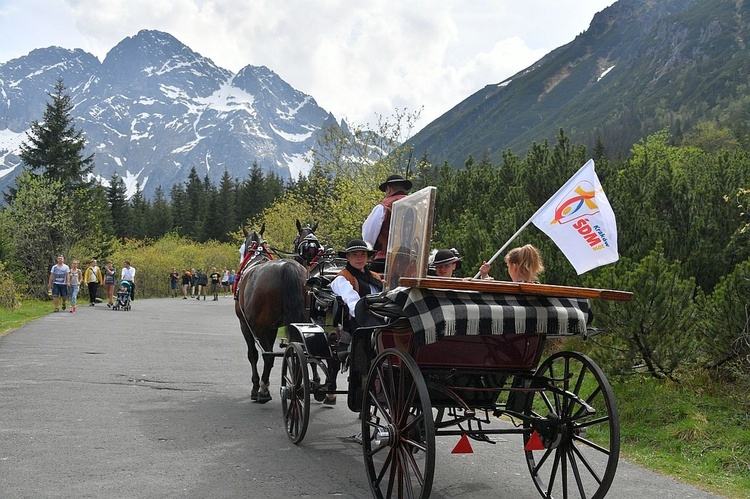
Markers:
{"x": 58, "y": 282}
{"x": 174, "y": 279}
{"x": 186, "y": 278}
{"x": 215, "y": 278}
{"x": 75, "y": 279}
{"x": 128, "y": 274}
{"x": 93, "y": 277}
{"x": 110, "y": 274}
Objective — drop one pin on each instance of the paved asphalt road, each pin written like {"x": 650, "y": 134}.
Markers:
{"x": 155, "y": 403}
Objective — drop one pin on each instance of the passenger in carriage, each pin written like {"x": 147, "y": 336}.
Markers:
{"x": 447, "y": 261}
{"x": 524, "y": 264}
{"x": 351, "y": 284}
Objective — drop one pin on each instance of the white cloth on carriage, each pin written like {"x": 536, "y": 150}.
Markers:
{"x": 433, "y": 313}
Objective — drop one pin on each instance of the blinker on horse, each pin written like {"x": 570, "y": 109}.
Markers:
{"x": 271, "y": 294}
{"x": 307, "y": 248}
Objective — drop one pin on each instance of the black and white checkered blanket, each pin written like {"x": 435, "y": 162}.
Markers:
{"x": 433, "y": 313}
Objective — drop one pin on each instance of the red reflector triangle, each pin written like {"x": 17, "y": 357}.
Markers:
{"x": 534, "y": 443}
{"x": 463, "y": 446}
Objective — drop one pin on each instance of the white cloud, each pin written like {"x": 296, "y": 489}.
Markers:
{"x": 355, "y": 58}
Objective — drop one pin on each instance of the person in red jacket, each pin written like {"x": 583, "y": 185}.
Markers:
{"x": 376, "y": 228}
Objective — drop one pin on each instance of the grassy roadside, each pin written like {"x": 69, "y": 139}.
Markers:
{"x": 30, "y": 309}
{"x": 697, "y": 431}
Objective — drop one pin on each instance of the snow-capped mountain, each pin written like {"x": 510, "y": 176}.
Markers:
{"x": 153, "y": 109}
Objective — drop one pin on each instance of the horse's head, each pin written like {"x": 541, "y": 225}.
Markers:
{"x": 306, "y": 244}
{"x": 254, "y": 239}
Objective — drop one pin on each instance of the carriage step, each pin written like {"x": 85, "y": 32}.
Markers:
{"x": 272, "y": 354}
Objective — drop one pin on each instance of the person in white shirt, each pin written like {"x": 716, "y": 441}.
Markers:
{"x": 351, "y": 284}
{"x": 376, "y": 228}
{"x": 356, "y": 280}
{"x": 128, "y": 274}
{"x": 59, "y": 279}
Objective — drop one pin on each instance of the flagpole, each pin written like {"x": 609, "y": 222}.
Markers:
{"x": 544, "y": 206}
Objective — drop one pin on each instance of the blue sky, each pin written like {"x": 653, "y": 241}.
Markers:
{"x": 357, "y": 59}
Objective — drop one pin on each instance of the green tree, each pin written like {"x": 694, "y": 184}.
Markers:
{"x": 41, "y": 225}
{"x": 56, "y": 147}
{"x": 141, "y": 211}
{"x": 70, "y": 209}
{"x": 178, "y": 198}
{"x": 119, "y": 208}
{"x": 160, "y": 222}
{"x": 725, "y": 322}
{"x": 226, "y": 207}
{"x": 195, "y": 204}
{"x": 656, "y": 330}
{"x": 215, "y": 218}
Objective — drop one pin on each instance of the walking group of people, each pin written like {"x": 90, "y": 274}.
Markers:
{"x": 194, "y": 283}
{"x": 65, "y": 282}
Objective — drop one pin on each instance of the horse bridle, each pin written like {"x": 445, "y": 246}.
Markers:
{"x": 257, "y": 243}
{"x": 307, "y": 247}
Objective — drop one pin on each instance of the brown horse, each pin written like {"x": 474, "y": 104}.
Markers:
{"x": 271, "y": 294}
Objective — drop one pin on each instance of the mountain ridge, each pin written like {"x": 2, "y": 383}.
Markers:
{"x": 153, "y": 109}
{"x": 640, "y": 67}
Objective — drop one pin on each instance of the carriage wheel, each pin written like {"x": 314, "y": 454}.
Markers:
{"x": 295, "y": 392}
{"x": 579, "y": 430}
{"x": 398, "y": 431}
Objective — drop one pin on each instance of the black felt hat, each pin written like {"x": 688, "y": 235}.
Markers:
{"x": 356, "y": 245}
{"x": 446, "y": 256}
{"x": 395, "y": 179}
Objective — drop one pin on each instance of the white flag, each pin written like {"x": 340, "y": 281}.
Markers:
{"x": 580, "y": 220}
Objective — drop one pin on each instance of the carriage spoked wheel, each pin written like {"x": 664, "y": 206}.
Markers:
{"x": 578, "y": 427}
{"x": 295, "y": 392}
{"x": 398, "y": 430}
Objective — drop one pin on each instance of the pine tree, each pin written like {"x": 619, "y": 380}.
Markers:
{"x": 179, "y": 205}
{"x": 118, "y": 207}
{"x": 141, "y": 211}
{"x": 228, "y": 217}
{"x": 160, "y": 222}
{"x": 56, "y": 147}
{"x": 195, "y": 206}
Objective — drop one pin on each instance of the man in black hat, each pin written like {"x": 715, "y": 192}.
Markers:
{"x": 356, "y": 280}
{"x": 376, "y": 227}
{"x": 351, "y": 284}
{"x": 446, "y": 261}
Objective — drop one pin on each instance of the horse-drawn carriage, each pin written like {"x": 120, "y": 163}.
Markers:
{"x": 450, "y": 357}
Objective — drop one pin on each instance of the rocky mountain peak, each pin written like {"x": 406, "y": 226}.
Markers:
{"x": 154, "y": 109}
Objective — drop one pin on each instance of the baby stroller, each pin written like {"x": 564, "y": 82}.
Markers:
{"x": 123, "y": 296}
